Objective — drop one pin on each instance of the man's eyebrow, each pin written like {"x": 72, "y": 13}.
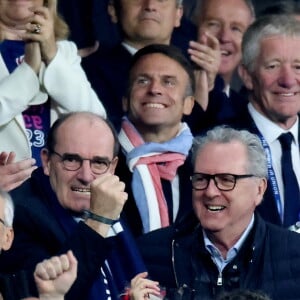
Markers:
{"x": 93, "y": 157}
{"x": 101, "y": 157}
{"x": 142, "y": 75}
{"x": 169, "y": 76}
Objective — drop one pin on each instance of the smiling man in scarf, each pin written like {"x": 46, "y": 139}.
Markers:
{"x": 155, "y": 142}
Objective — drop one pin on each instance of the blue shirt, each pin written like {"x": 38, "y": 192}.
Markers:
{"x": 216, "y": 255}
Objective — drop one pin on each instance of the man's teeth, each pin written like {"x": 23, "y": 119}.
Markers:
{"x": 155, "y": 105}
{"x": 81, "y": 190}
{"x": 226, "y": 53}
{"x": 287, "y": 94}
{"x": 215, "y": 208}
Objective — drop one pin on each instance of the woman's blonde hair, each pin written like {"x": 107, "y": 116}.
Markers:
{"x": 61, "y": 29}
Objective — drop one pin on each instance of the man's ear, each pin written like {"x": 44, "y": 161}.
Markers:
{"x": 179, "y": 14}
{"x": 188, "y": 105}
{"x": 261, "y": 190}
{"x": 8, "y": 238}
{"x": 125, "y": 104}
{"x": 113, "y": 164}
{"x": 45, "y": 158}
{"x": 246, "y": 77}
{"x": 111, "y": 9}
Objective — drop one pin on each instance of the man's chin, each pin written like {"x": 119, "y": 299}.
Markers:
{"x": 227, "y": 67}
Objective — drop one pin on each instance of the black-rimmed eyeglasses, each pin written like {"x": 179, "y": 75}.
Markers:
{"x": 223, "y": 181}
{"x": 73, "y": 162}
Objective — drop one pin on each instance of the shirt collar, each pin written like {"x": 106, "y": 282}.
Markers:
{"x": 211, "y": 248}
{"x": 270, "y": 130}
{"x": 227, "y": 90}
{"x": 129, "y": 48}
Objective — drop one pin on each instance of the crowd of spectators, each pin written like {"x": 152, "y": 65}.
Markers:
{"x": 149, "y": 149}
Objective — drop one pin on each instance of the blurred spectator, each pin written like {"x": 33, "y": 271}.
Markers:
{"x": 34, "y": 48}
{"x": 227, "y": 21}
{"x": 284, "y": 7}
{"x": 140, "y": 23}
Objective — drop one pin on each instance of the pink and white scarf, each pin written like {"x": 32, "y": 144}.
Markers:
{"x": 149, "y": 162}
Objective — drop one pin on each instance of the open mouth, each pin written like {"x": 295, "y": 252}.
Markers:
{"x": 286, "y": 94}
{"x": 226, "y": 53}
{"x": 155, "y": 105}
{"x": 86, "y": 191}
{"x": 215, "y": 208}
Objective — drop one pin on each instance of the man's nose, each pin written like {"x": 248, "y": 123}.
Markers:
{"x": 85, "y": 173}
{"x": 287, "y": 77}
{"x": 212, "y": 189}
{"x": 155, "y": 87}
{"x": 224, "y": 34}
{"x": 149, "y": 4}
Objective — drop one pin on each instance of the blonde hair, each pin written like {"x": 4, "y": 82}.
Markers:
{"x": 61, "y": 29}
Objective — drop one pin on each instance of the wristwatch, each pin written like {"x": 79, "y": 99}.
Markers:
{"x": 89, "y": 215}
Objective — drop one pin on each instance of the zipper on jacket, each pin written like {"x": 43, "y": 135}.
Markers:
{"x": 173, "y": 262}
{"x": 220, "y": 279}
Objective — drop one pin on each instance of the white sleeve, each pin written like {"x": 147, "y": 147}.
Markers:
{"x": 17, "y": 91}
{"x": 66, "y": 83}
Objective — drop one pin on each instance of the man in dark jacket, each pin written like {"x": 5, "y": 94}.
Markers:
{"x": 225, "y": 246}
{"x": 270, "y": 74}
{"x": 143, "y": 23}
{"x": 155, "y": 143}
{"x": 77, "y": 176}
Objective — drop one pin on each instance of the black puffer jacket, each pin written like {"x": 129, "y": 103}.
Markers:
{"x": 269, "y": 260}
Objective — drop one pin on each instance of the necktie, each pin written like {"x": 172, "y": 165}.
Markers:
{"x": 291, "y": 187}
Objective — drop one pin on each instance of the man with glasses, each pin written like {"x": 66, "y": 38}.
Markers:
{"x": 227, "y": 246}
{"x": 72, "y": 203}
